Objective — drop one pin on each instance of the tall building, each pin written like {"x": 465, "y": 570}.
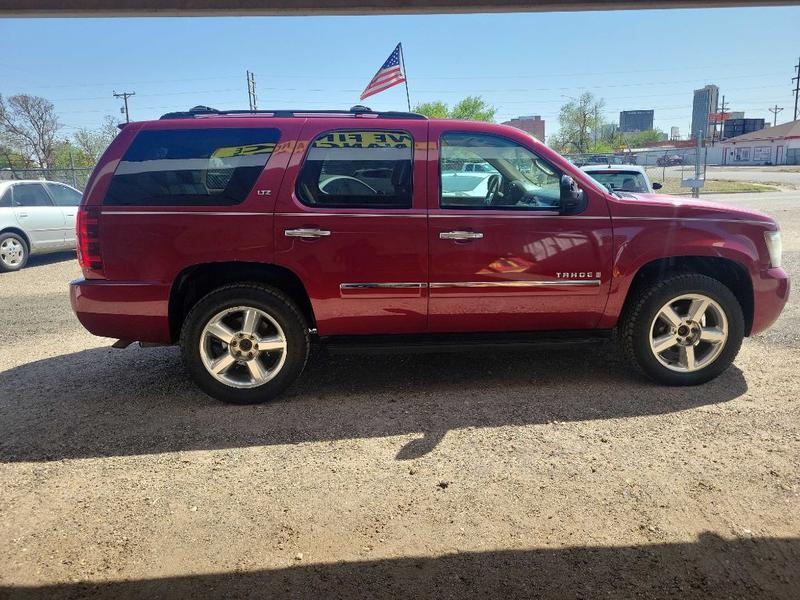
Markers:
{"x": 533, "y": 124}
{"x": 740, "y": 126}
{"x": 674, "y": 133}
{"x": 705, "y": 102}
{"x": 631, "y": 121}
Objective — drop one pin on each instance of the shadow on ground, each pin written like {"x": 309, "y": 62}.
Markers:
{"x": 709, "y": 568}
{"x": 41, "y": 260}
{"x": 105, "y": 402}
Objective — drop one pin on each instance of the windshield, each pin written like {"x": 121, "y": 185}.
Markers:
{"x": 622, "y": 181}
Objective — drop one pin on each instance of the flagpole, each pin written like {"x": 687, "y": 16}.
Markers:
{"x": 405, "y": 75}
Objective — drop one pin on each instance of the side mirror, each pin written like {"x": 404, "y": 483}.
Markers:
{"x": 573, "y": 198}
{"x": 657, "y": 186}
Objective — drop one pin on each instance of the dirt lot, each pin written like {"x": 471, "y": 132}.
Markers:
{"x": 552, "y": 473}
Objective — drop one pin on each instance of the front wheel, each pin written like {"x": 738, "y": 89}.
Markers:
{"x": 685, "y": 330}
{"x": 245, "y": 343}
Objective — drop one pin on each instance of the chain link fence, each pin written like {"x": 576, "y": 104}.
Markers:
{"x": 76, "y": 177}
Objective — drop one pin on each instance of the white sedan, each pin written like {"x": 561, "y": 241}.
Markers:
{"x": 36, "y": 217}
{"x": 622, "y": 178}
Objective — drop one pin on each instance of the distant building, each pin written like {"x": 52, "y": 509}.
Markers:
{"x": 739, "y": 126}
{"x": 705, "y": 102}
{"x": 778, "y": 145}
{"x": 532, "y": 124}
{"x": 632, "y": 121}
{"x": 674, "y": 133}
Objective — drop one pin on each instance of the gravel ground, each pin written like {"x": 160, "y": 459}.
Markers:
{"x": 550, "y": 473}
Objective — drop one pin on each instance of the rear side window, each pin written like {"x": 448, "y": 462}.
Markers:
{"x": 191, "y": 167}
{"x": 5, "y": 198}
{"x": 358, "y": 169}
{"x": 63, "y": 196}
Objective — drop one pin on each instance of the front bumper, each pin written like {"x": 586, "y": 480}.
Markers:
{"x": 132, "y": 311}
{"x": 770, "y": 293}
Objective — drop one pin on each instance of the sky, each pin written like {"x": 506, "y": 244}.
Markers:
{"x": 523, "y": 63}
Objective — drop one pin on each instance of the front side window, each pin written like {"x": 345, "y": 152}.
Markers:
{"x": 191, "y": 167}
{"x": 358, "y": 169}
{"x": 63, "y": 196}
{"x": 480, "y": 171}
{"x": 30, "y": 194}
{"x": 5, "y": 198}
{"x": 621, "y": 181}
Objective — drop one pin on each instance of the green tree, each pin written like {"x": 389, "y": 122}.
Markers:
{"x": 580, "y": 124}
{"x": 433, "y": 110}
{"x": 471, "y": 108}
{"x": 93, "y": 142}
{"x": 644, "y": 138}
{"x": 29, "y": 126}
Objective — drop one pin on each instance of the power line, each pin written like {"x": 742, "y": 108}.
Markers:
{"x": 125, "y": 96}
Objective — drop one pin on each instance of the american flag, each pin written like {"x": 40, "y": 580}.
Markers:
{"x": 391, "y": 73}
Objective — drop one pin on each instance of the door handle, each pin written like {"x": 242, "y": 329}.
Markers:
{"x": 22, "y": 214}
{"x": 461, "y": 235}
{"x": 306, "y": 232}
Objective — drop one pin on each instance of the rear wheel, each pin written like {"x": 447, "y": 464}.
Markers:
{"x": 13, "y": 252}
{"x": 684, "y": 330}
{"x": 245, "y": 343}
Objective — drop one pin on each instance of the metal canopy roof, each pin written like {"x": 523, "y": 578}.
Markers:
{"x": 154, "y": 8}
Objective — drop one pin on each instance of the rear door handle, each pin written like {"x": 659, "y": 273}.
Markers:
{"x": 461, "y": 235}
{"x": 22, "y": 214}
{"x": 307, "y": 232}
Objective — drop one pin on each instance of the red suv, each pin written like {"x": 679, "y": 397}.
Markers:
{"x": 246, "y": 237}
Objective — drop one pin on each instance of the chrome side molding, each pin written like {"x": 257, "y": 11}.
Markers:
{"x": 471, "y": 284}
{"x": 370, "y": 286}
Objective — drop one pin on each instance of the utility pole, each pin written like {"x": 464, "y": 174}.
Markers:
{"x": 125, "y": 96}
{"x": 796, "y": 78}
{"x": 251, "y": 90}
{"x": 775, "y": 112}
{"x": 719, "y": 119}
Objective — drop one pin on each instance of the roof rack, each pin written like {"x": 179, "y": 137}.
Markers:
{"x": 355, "y": 111}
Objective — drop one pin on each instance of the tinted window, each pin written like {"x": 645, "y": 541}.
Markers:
{"x": 358, "y": 169}
{"x": 479, "y": 171}
{"x": 31, "y": 194}
{"x": 62, "y": 195}
{"x": 191, "y": 167}
{"x": 5, "y": 198}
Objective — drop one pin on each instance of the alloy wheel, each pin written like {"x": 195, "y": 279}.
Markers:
{"x": 688, "y": 333}
{"x": 243, "y": 347}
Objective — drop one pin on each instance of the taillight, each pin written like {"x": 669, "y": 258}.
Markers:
{"x": 88, "y": 232}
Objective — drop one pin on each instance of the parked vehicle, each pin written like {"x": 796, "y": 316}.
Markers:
{"x": 222, "y": 232}
{"x": 669, "y": 160}
{"x": 36, "y": 217}
{"x": 622, "y": 179}
{"x": 472, "y": 167}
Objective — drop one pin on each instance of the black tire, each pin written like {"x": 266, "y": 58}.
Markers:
{"x": 635, "y": 327}
{"x": 6, "y": 268}
{"x": 267, "y": 299}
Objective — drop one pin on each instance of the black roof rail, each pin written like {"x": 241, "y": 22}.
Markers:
{"x": 355, "y": 111}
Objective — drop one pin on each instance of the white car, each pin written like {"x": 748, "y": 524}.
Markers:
{"x": 622, "y": 178}
{"x": 36, "y": 217}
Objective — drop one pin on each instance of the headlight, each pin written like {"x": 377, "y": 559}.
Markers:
{"x": 774, "y": 247}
